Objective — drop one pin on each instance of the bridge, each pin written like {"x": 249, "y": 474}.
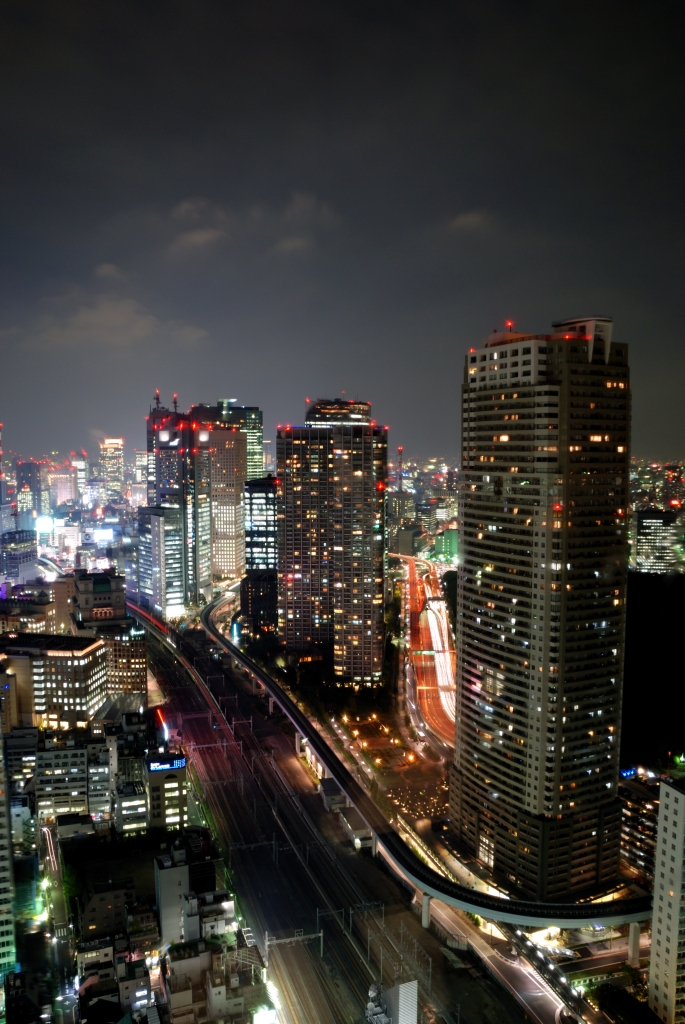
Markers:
{"x": 386, "y": 840}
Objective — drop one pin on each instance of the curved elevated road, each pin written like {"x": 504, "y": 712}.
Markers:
{"x": 426, "y": 880}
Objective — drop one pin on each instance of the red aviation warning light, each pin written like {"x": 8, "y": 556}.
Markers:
{"x": 509, "y": 324}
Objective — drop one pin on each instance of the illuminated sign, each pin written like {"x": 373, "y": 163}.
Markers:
{"x": 166, "y": 766}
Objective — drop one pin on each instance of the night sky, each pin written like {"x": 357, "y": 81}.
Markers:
{"x": 268, "y": 201}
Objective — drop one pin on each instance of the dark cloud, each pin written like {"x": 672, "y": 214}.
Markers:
{"x": 266, "y": 201}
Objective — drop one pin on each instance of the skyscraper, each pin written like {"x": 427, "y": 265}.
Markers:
{"x": 250, "y": 419}
{"x": 331, "y": 570}
{"x": 657, "y": 533}
{"x": 112, "y": 463}
{"x": 541, "y": 606}
{"x": 228, "y": 460}
{"x": 197, "y": 461}
{"x": 259, "y": 586}
{"x": 261, "y": 523}
{"x": 179, "y": 474}
{"x": 161, "y": 571}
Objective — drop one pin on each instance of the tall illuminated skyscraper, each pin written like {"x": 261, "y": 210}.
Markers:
{"x": 179, "y": 475}
{"x": 332, "y": 474}
{"x": 541, "y": 606}
{"x": 248, "y": 418}
{"x": 112, "y": 463}
{"x": 161, "y": 561}
{"x": 229, "y": 469}
{"x": 259, "y": 586}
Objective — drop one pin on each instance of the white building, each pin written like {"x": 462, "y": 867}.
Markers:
{"x": 171, "y": 883}
{"x": 61, "y": 778}
{"x": 207, "y": 914}
{"x": 667, "y": 961}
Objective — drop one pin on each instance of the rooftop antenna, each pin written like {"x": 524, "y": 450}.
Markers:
{"x": 157, "y": 398}
{"x": 175, "y": 402}
{"x": 399, "y": 467}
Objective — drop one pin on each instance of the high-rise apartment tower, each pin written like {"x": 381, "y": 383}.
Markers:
{"x": 541, "y": 606}
{"x": 332, "y": 474}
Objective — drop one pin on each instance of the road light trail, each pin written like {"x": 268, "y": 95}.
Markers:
{"x": 431, "y": 649}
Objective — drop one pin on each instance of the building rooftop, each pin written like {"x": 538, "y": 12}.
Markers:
{"x": 48, "y": 642}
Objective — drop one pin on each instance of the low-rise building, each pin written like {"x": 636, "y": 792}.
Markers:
{"x": 130, "y": 808}
{"x": 355, "y": 828}
{"x": 135, "y": 991}
{"x": 95, "y": 956}
{"x": 333, "y": 797}
{"x": 167, "y": 786}
{"x": 104, "y": 911}
{"x": 207, "y": 915}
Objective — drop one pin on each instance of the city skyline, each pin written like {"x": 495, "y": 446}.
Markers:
{"x": 344, "y": 225}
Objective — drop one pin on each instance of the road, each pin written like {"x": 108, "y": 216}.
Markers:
{"x": 432, "y": 653}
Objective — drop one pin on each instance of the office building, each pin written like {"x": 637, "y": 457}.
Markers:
{"x": 331, "y": 569}
{"x": 179, "y": 474}
{"x": 61, "y": 779}
{"x": 259, "y": 586}
{"x": 29, "y": 485}
{"x": 80, "y": 466}
{"x": 130, "y": 810}
{"x": 261, "y": 523}
{"x": 27, "y": 609}
{"x": 541, "y": 607}
{"x": 139, "y": 482}
{"x": 249, "y": 419}
{"x": 8, "y": 954}
{"x": 228, "y": 473}
{"x": 112, "y": 464}
{"x": 167, "y": 788}
{"x": 49, "y": 677}
{"x": 667, "y": 957}
{"x": 161, "y": 562}
{"x": 657, "y": 532}
{"x": 17, "y": 549}
{"x": 99, "y": 610}
{"x": 62, "y": 484}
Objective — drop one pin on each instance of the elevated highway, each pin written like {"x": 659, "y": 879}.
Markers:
{"x": 400, "y": 857}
